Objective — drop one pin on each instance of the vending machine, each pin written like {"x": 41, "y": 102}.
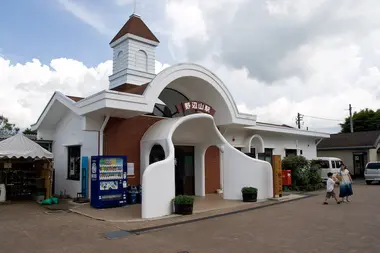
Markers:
{"x": 108, "y": 181}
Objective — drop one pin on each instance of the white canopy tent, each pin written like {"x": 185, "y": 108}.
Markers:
{"x": 19, "y": 146}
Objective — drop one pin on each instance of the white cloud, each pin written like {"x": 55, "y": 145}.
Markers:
{"x": 27, "y": 88}
{"x": 160, "y": 66}
{"x": 89, "y": 17}
{"x": 281, "y": 57}
{"x": 278, "y": 57}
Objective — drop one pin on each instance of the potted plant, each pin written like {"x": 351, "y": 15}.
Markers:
{"x": 249, "y": 194}
{"x": 183, "y": 204}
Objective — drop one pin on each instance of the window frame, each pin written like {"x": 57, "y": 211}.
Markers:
{"x": 77, "y": 172}
{"x": 267, "y": 155}
{"x": 290, "y": 151}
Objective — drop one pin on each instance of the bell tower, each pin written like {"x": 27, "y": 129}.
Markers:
{"x": 134, "y": 49}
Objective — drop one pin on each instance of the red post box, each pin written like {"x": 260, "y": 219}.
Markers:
{"x": 286, "y": 177}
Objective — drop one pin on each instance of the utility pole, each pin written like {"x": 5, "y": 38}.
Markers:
{"x": 351, "y": 121}
{"x": 299, "y": 119}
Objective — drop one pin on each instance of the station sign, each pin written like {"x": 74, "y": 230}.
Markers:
{"x": 196, "y": 107}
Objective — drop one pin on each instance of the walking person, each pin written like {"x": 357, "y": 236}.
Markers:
{"x": 345, "y": 183}
{"x": 330, "y": 185}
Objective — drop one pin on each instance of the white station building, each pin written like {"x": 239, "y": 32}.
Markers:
{"x": 180, "y": 129}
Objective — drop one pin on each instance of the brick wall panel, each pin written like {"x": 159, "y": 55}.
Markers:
{"x": 123, "y": 136}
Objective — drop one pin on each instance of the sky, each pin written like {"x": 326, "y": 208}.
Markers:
{"x": 277, "y": 57}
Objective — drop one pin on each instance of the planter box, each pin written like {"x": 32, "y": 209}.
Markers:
{"x": 184, "y": 209}
{"x": 249, "y": 197}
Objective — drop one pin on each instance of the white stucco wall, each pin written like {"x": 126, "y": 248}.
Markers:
{"x": 373, "y": 154}
{"x": 69, "y": 133}
{"x": 276, "y": 141}
{"x": 240, "y": 170}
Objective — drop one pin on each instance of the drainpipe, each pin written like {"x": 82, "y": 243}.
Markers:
{"x": 318, "y": 142}
{"x": 101, "y": 132}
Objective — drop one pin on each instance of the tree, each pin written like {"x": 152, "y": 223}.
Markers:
{"x": 365, "y": 120}
{"x": 29, "y": 131}
{"x": 7, "y": 128}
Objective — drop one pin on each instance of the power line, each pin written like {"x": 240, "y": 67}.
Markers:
{"x": 321, "y": 118}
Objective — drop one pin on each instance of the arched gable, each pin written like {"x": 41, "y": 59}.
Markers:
{"x": 200, "y": 82}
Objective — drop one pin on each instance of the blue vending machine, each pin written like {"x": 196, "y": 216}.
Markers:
{"x": 108, "y": 181}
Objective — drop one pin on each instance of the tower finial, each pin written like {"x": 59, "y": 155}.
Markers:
{"x": 134, "y": 7}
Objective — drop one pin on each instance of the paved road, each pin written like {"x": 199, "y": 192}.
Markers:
{"x": 302, "y": 226}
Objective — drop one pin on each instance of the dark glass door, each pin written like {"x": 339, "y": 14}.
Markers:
{"x": 184, "y": 170}
{"x": 359, "y": 164}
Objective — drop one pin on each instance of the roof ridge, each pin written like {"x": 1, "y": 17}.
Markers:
{"x": 136, "y": 26}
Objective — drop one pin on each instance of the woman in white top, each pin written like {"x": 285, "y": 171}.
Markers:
{"x": 345, "y": 182}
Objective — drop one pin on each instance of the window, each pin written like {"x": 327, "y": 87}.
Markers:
{"x": 323, "y": 164}
{"x": 333, "y": 164}
{"x": 157, "y": 153}
{"x": 142, "y": 60}
{"x": 338, "y": 163}
{"x": 289, "y": 152}
{"x": 46, "y": 146}
{"x": 73, "y": 163}
{"x": 373, "y": 166}
{"x": 267, "y": 155}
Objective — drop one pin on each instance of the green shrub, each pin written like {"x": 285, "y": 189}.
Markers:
{"x": 294, "y": 163}
{"x": 183, "y": 200}
{"x": 305, "y": 174}
{"x": 249, "y": 190}
{"x": 314, "y": 176}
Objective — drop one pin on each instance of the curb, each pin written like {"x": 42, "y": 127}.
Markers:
{"x": 147, "y": 229}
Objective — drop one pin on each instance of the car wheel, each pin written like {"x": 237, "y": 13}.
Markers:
{"x": 368, "y": 182}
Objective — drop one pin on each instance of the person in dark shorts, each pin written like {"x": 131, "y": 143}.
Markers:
{"x": 330, "y": 185}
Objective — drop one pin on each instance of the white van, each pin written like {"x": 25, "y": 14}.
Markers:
{"x": 328, "y": 164}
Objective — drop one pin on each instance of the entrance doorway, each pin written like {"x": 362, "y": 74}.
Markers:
{"x": 359, "y": 164}
{"x": 184, "y": 170}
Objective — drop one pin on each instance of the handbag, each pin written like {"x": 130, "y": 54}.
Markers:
{"x": 339, "y": 176}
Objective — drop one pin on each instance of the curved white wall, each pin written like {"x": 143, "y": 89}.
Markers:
{"x": 206, "y": 83}
{"x": 158, "y": 179}
{"x": 158, "y": 188}
{"x": 241, "y": 170}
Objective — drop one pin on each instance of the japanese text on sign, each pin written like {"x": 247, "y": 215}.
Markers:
{"x": 196, "y": 106}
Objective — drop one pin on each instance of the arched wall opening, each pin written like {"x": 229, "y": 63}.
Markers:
{"x": 238, "y": 170}
{"x": 186, "y": 89}
{"x": 198, "y": 83}
{"x": 254, "y": 145}
{"x": 197, "y": 164}
{"x": 171, "y": 98}
{"x": 197, "y": 89}
{"x": 157, "y": 153}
